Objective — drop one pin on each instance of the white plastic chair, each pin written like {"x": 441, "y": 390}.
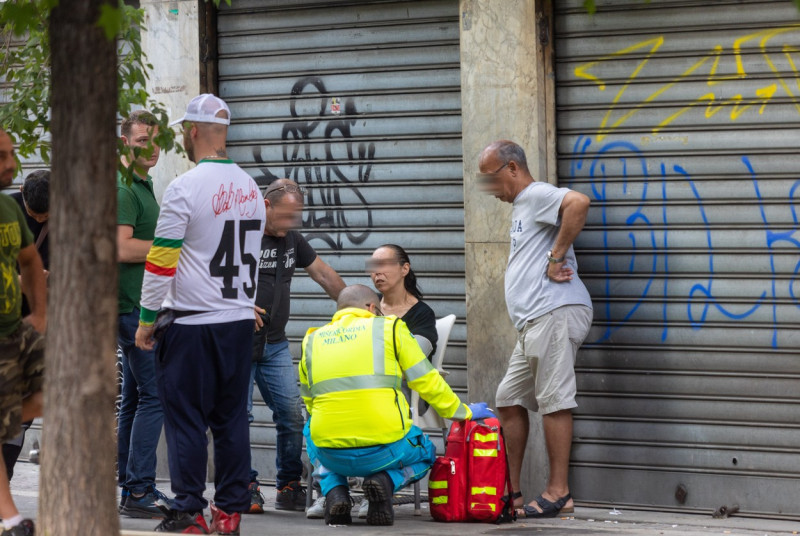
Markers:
{"x": 431, "y": 419}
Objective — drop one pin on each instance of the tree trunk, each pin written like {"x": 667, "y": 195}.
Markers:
{"x": 78, "y": 493}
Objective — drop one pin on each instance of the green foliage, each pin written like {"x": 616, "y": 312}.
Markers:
{"x": 111, "y": 20}
{"x": 25, "y": 66}
{"x": 132, "y": 74}
{"x": 21, "y": 16}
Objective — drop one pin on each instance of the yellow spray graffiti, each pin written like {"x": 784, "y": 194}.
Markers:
{"x": 738, "y": 104}
{"x": 582, "y": 71}
{"x": 786, "y": 50}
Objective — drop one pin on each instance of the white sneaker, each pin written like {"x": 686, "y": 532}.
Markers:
{"x": 362, "y": 510}
{"x": 317, "y": 510}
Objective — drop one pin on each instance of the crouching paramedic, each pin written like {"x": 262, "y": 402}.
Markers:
{"x": 350, "y": 376}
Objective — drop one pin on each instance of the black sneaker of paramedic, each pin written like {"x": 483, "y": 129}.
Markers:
{"x": 291, "y": 497}
{"x": 338, "y": 504}
{"x": 378, "y": 490}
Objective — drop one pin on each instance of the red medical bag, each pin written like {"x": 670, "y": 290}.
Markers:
{"x": 469, "y": 482}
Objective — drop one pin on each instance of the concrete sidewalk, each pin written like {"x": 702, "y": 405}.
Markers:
{"x": 584, "y": 522}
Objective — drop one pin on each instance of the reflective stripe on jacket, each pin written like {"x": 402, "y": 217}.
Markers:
{"x": 350, "y": 376}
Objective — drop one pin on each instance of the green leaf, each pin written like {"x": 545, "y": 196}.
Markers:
{"x": 19, "y": 17}
{"x": 111, "y": 20}
{"x": 591, "y": 7}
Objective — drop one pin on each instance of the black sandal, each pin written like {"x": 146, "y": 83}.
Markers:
{"x": 549, "y": 509}
{"x": 510, "y": 501}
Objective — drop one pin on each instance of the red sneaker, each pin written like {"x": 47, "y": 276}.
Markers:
{"x": 224, "y": 523}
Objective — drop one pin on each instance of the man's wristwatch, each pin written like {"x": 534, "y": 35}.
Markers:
{"x": 552, "y": 259}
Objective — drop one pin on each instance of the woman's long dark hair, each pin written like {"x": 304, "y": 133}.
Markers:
{"x": 410, "y": 281}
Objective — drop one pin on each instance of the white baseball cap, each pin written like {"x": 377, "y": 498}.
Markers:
{"x": 203, "y": 109}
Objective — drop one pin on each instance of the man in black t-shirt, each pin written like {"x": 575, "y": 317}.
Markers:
{"x": 282, "y": 250}
{"x": 34, "y": 200}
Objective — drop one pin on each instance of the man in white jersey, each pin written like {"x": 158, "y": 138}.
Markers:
{"x": 552, "y": 310}
{"x": 203, "y": 268}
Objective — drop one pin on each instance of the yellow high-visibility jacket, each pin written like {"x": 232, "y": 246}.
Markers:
{"x": 350, "y": 377}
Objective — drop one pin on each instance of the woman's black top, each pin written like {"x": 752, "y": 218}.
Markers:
{"x": 421, "y": 322}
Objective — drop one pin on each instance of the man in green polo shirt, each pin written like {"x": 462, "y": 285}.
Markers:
{"x": 140, "y": 413}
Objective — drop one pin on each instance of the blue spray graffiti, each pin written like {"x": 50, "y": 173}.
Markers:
{"x": 611, "y": 165}
{"x": 772, "y": 239}
{"x": 705, "y": 289}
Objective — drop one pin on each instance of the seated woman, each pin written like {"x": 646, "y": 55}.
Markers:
{"x": 391, "y": 273}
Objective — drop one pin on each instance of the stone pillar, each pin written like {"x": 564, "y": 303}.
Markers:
{"x": 171, "y": 43}
{"x": 506, "y": 80}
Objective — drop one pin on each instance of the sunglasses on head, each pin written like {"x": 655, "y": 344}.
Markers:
{"x": 289, "y": 189}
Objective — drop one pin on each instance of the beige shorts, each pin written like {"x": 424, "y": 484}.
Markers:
{"x": 541, "y": 371}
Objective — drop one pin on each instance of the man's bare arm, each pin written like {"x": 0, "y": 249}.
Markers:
{"x": 573, "y": 210}
{"x": 34, "y": 286}
{"x": 130, "y": 249}
{"x": 326, "y": 277}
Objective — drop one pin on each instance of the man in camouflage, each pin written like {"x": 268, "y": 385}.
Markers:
{"x": 21, "y": 342}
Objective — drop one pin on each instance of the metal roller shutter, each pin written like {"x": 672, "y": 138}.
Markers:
{"x": 680, "y": 120}
{"x": 359, "y": 102}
